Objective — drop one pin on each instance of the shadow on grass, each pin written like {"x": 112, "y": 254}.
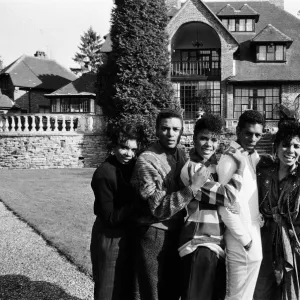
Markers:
{"x": 19, "y": 287}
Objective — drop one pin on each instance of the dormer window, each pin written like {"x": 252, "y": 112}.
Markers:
{"x": 239, "y": 25}
{"x": 238, "y": 20}
{"x": 271, "y": 52}
{"x": 271, "y": 45}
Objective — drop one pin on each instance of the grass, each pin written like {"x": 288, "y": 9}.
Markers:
{"x": 58, "y": 203}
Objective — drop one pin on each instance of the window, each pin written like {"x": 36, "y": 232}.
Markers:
{"x": 239, "y": 25}
{"x": 72, "y": 105}
{"x": 194, "y": 95}
{"x": 271, "y": 52}
{"x": 262, "y": 99}
{"x": 205, "y": 62}
{"x": 44, "y": 109}
{"x": 4, "y": 83}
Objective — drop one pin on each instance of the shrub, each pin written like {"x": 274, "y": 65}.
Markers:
{"x": 138, "y": 85}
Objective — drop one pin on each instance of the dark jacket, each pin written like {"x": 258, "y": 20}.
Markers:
{"x": 279, "y": 204}
{"x": 113, "y": 192}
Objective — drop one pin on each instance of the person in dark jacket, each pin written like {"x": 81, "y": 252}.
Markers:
{"x": 111, "y": 249}
{"x": 278, "y": 181}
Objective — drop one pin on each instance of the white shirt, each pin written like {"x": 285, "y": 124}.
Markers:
{"x": 240, "y": 224}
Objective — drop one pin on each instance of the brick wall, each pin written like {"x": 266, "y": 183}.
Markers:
{"x": 37, "y": 99}
{"x": 52, "y": 151}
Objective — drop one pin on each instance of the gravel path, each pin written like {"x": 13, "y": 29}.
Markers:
{"x": 32, "y": 270}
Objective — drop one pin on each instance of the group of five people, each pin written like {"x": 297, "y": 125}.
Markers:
{"x": 168, "y": 227}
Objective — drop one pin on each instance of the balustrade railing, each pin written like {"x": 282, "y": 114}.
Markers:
{"x": 194, "y": 68}
{"x": 47, "y": 123}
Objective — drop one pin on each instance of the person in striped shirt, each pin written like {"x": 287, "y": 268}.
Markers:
{"x": 201, "y": 239}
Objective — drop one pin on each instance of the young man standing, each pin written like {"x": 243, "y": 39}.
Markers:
{"x": 242, "y": 235}
{"x": 201, "y": 240}
{"x": 162, "y": 196}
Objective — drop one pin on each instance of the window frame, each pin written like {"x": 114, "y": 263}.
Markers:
{"x": 270, "y": 53}
{"x": 185, "y": 90}
{"x": 233, "y": 24}
{"x": 68, "y": 105}
{"x": 248, "y": 96}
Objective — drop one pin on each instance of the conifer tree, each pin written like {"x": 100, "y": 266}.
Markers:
{"x": 90, "y": 48}
{"x": 139, "y": 66}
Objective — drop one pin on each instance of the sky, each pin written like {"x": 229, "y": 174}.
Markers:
{"x": 55, "y": 26}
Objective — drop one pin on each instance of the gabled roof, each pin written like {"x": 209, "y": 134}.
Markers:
{"x": 42, "y": 73}
{"x": 247, "y": 69}
{"x": 5, "y": 102}
{"x": 230, "y": 11}
{"x": 227, "y": 10}
{"x": 271, "y": 34}
{"x": 206, "y": 8}
{"x": 82, "y": 86}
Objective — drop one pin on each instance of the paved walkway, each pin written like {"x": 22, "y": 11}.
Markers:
{"x": 32, "y": 270}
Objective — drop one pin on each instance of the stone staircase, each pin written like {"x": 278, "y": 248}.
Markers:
{"x": 265, "y": 145}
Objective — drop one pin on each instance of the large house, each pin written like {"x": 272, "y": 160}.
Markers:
{"x": 26, "y": 80}
{"x": 234, "y": 55}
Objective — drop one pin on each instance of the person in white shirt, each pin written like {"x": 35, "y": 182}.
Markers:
{"x": 242, "y": 234}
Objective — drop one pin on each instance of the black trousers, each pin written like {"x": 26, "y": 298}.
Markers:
{"x": 157, "y": 264}
{"x": 203, "y": 276}
{"x": 111, "y": 255}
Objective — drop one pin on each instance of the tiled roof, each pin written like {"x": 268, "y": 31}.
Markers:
{"x": 246, "y": 67}
{"x": 271, "y": 34}
{"x": 42, "y": 73}
{"x": 82, "y": 86}
{"x": 172, "y": 11}
{"x": 229, "y": 10}
{"x": 5, "y": 102}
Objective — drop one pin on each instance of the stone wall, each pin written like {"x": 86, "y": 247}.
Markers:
{"x": 52, "y": 151}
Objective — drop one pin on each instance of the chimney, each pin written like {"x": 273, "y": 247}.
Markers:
{"x": 40, "y": 54}
{"x": 279, "y": 3}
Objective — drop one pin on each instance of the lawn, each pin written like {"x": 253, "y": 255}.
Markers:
{"x": 58, "y": 203}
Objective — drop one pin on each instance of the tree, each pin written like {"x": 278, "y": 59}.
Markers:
{"x": 139, "y": 66}
{"x": 89, "y": 50}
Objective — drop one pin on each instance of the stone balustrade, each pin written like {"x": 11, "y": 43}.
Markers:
{"x": 35, "y": 124}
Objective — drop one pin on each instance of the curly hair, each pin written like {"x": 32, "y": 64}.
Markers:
{"x": 121, "y": 134}
{"x": 287, "y": 130}
{"x": 210, "y": 122}
{"x": 250, "y": 117}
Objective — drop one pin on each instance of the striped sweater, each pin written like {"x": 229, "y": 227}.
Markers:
{"x": 203, "y": 225}
{"x": 160, "y": 207}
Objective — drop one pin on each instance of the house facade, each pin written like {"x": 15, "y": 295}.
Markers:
{"x": 78, "y": 96}
{"x": 234, "y": 56}
{"x": 230, "y": 56}
{"x": 27, "y": 79}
